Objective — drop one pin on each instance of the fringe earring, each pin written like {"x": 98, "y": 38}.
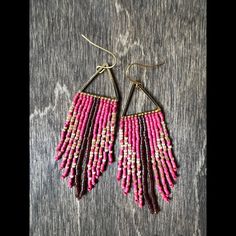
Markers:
{"x": 145, "y": 158}
{"x": 87, "y": 139}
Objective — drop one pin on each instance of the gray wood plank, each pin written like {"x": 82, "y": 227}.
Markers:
{"x": 61, "y": 61}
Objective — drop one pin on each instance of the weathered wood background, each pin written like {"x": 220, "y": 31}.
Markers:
{"x": 61, "y": 61}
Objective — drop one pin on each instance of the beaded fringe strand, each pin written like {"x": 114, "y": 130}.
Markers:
{"x": 145, "y": 159}
{"x": 86, "y": 143}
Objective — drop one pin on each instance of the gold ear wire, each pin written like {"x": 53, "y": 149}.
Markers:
{"x": 141, "y": 65}
{"x": 105, "y": 50}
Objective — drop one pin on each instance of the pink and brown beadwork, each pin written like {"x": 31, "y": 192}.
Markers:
{"x": 87, "y": 139}
{"x": 145, "y": 160}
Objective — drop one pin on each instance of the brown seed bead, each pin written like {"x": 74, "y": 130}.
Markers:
{"x": 81, "y": 155}
{"x": 144, "y": 167}
{"x": 90, "y": 124}
{"x": 149, "y": 168}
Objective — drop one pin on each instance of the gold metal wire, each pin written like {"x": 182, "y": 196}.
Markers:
{"x": 105, "y": 50}
{"x": 141, "y": 65}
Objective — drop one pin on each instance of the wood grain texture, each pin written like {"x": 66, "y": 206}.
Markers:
{"x": 61, "y": 61}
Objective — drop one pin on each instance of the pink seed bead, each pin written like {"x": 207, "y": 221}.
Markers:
{"x": 159, "y": 166}
{"x": 165, "y": 148}
{"x": 66, "y": 125}
{"x": 107, "y": 137}
{"x": 121, "y": 151}
{"x": 76, "y": 99}
{"x": 128, "y": 180}
{"x": 112, "y": 139}
{"x": 84, "y": 117}
{"x": 124, "y": 175}
{"x": 133, "y": 164}
{"x": 66, "y": 141}
{"x": 90, "y": 99}
{"x": 138, "y": 164}
{"x": 154, "y": 165}
{"x": 100, "y": 159}
{"x": 168, "y": 141}
{"x": 72, "y": 142}
{"x": 84, "y": 105}
{"x": 98, "y": 140}
{"x": 159, "y": 153}
{"x": 91, "y": 157}
{"x": 162, "y": 146}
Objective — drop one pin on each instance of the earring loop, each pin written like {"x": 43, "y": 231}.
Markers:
{"x": 105, "y": 50}
{"x": 141, "y": 65}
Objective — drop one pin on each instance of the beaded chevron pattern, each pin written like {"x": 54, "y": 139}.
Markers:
{"x": 145, "y": 159}
{"x": 86, "y": 144}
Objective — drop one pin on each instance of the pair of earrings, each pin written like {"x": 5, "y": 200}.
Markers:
{"x": 86, "y": 146}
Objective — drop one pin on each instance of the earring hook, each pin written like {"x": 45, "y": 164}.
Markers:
{"x": 141, "y": 65}
{"x": 105, "y": 50}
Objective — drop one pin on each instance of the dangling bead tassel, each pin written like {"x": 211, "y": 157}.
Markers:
{"x": 97, "y": 145}
{"x": 144, "y": 166}
{"x": 144, "y": 161}
{"x": 93, "y": 147}
{"x": 78, "y": 140}
{"x": 164, "y": 148}
{"x": 112, "y": 131}
{"x": 66, "y": 126}
{"x": 82, "y": 178}
{"x": 129, "y": 154}
{"x": 69, "y": 160}
{"x": 154, "y": 162}
{"x": 151, "y": 180}
{"x": 169, "y": 145}
{"x": 133, "y": 162}
{"x": 106, "y": 139}
{"x": 124, "y": 173}
{"x": 103, "y": 136}
{"x": 66, "y": 132}
{"x": 83, "y": 135}
{"x": 121, "y": 152}
{"x": 74, "y": 135}
{"x": 159, "y": 158}
{"x": 138, "y": 164}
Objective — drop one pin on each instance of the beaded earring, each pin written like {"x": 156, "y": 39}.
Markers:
{"x": 87, "y": 139}
{"x": 145, "y": 158}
